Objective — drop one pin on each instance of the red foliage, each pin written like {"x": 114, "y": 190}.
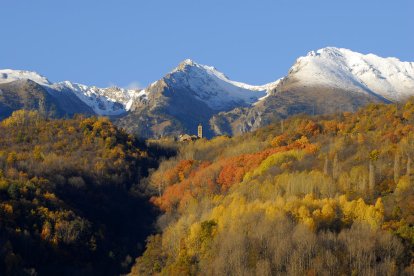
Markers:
{"x": 179, "y": 172}
{"x": 235, "y": 168}
{"x": 189, "y": 181}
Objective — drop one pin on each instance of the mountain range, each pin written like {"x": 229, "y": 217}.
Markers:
{"x": 324, "y": 81}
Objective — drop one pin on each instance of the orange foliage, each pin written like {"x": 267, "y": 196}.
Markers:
{"x": 179, "y": 172}
{"x": 210, "y": 178}
{"x": 279, "y": 140}
{"x": 309, "y": 128}
{"x": 236, "y": 167}
{"x": 201, "y": 182}
{"x": 330, "y": 126}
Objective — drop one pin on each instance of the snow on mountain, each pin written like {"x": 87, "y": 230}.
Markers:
{"x": 345, "y": 69}
{"x": 205, "y": 83}
{"x": 104, "y": 101}
{"x": 332, "y": 67}
{"x": 8, "y": 75}
{"x": 213, "y": 87}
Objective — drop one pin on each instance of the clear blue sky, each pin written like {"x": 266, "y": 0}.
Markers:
{"x": 121, "y": 42}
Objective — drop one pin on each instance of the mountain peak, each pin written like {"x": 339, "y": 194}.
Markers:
{"x": 336, "y": 52}
{"x": 344, "y": 69}
{"x": 9, "y": 75}
{"x": 188, "y": 62}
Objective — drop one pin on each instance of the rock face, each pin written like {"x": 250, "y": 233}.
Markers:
{"x": 23, "y": 94}
{"x": 324, "y": 81}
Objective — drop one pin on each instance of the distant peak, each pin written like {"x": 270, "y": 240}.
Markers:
{"x": 328, "y": 51}
{"x": 185, "y": 63}
{"x": 8, "y": 75}
{"x": 336, "y": 52}
{"x": 192, "y": 63}
{"x": 188, "y": 62}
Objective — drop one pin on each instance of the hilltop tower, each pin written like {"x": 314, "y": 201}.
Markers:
{"x": 200, "y": 131}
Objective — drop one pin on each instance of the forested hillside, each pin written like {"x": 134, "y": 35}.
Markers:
{"x": 306, "y": 196}
{"x": 69, "y": 196}
{"x": 327, "y": 195}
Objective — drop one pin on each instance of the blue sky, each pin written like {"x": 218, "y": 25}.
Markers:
{"x": 136, "y": 42}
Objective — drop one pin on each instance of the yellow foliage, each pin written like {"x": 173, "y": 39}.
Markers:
{"x": 50, "y": 196}
{"x": 328, "y": 212}
{"x": 361, "y": 138}
{"x": 20, "y": 117}
{"x": 11, "y": 158}
{"x": 303, "y": 141}
{"x": 3, "y": 184}
{"x": 360, "y": 211}
{"x": 309, "y": 222}
{"x": 276, "y": 159}
{"x": 46, "y": 231}
{"x": 8, "y": 208}
{"x": 192, "y": 240}
{"x": 403, "y": 185}
{"x": 37, "y": 153}
{"x": 279, "y": 141}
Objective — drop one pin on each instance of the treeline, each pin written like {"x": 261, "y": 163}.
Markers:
{"x": 69, "y": 196}
{"x": 327, "y": 195}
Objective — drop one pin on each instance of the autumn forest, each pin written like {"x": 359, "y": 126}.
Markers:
{"x": 307, "y": 195}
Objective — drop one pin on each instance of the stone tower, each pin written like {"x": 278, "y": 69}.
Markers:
{"x": 200, "y": 131}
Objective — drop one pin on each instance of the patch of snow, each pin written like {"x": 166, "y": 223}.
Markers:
{"x": 215, "y": 88}
{"x": 8, "y": 75}
{"x": 103, "y": 101}
{"x": 343, "y": 68}
{"x": 334, "y": 67}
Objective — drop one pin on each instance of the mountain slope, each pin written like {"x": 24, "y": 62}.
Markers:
{"x": 69, "y": 200}
{"x": 90, "y": 99}
{"x": 342, "y": 68}
{"x": 25, "y": 94}
{"x": 213, "y": 87}
{"x": 189, "y": 95}
{"x": 321, "y": 195}
{"x": 325, "y": 81}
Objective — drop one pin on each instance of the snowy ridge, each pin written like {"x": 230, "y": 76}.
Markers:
{"x": 8, "y": 75}
{"x": 213, "y": 87}
{"x": 213, "y": 71}
{"x": 339, "y": 68}
{"x": 103, "y": 101}
{"x": 345, "y": 69}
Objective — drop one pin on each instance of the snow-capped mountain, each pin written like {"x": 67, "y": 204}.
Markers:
{"x": 213, "y": 87}
{"x": 344, "y": 69}
{"x": 103, "y": 101}
{"x": 202, "y": 82}
{"x": 324, "y": 81}
{"x": 8, "y": 75}
{"x": 328, "y": 80}
{"x": 190, "y": 94}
